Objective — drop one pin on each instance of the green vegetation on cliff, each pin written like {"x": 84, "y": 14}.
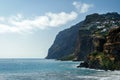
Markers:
{"x": 106, "y": 54}
{"x": 106, "y": 62}
{"x": 67, "y": 58}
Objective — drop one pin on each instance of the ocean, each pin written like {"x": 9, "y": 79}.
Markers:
{"x": 42, "y": 69}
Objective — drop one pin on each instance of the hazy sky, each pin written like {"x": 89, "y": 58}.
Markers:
{"x": 28, "y": 27}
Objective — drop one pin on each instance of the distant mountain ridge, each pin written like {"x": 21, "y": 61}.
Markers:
{"x": 77, "y": 42}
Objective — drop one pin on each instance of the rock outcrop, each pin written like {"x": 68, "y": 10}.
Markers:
{"x": 112, "y": 46}
{"x": 105, "y": 56}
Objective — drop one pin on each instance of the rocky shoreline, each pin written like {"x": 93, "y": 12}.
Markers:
{"x": 109, "y": 58}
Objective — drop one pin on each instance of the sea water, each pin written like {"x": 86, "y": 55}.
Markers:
{"x": 42, "y": 69}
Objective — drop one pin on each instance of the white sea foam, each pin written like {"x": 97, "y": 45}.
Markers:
{"x": 100, "y": 75}
{"x": 87, "y": 77}
{"x": 99, "y": 78}
{"x": 91, "y": 69}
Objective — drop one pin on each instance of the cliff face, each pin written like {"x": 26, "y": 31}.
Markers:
{"x": 108, "y": 56}
{"x": 65, "y": 43}
{"x": 112, "y": 46}
{"x": 98, "y": 43}
{"x": 93, "y": 32}
{"x": 79, "y": 40}
{"x": 85, "y": 45}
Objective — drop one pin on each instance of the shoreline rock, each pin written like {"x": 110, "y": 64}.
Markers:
{"x": 109, "y": 58}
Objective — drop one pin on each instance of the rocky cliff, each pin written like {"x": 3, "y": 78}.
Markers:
{"x": 112, "y": 46}
{"x": 85, "y": 45}
{"x": 78, "y": 41}
{"x": 93, "y": 32}
{"x": 65, "y": 43}
{"x": 107, "y": 55}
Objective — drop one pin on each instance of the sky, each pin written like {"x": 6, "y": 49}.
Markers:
{"x": 28, "y": 27}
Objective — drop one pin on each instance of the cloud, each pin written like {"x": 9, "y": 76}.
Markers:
{"x": 2, "y": 19}
{"x": 20, "y": 24}
{"x": 82, "y": 7}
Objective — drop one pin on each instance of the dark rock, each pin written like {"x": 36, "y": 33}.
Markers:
{"x": 110, "y": 59}
{"x": 93, "y": 18}
{"x": 98, "y": 43}
{"x": 84, "y": 64}
{"x": 113, "y": 43}
{"x": 85, "y": 45}
{"x": 65, "y": 43}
